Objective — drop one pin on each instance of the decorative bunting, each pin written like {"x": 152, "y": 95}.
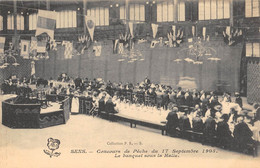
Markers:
{"x": 155, "y": 29}
{"x": 90, "y": 23}
{"x": 46, "y": 21}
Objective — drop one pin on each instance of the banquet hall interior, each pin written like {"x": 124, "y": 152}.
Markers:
{"x": 166, "y": 73}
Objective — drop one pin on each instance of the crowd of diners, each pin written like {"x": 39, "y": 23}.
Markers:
{"x": 194, "y": 110}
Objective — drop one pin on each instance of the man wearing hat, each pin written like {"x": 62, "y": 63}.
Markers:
{"x": 172, "y": 121}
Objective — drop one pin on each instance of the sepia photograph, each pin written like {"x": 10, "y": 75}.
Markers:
{"x": 129, "y": 83}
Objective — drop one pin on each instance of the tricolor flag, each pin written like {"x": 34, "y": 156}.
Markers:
{"x": 25, "y": 47}
{"x": 46, "y": 21}
{"x": 90, "y": 23}
{"x": 68, "y": 49}
{"x": 2, "y": 44}
{"x": 155, "y": 29}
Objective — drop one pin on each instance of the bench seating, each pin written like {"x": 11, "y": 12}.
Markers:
{"x": 134, "y": 121}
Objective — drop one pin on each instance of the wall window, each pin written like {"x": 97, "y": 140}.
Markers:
{"x": 101, "y": 14}
{"x": 136, "y": 12}
{"x": 252, "y": 49}
{"x": 1, "y": 23}
{"x": 66, "y": 19}
{"x": 20, "y": 22}
{"x": 165, "y": 12}
{"x": 252, "y": 8}
{"x": 214, "y": 9}
{"x": 32, "y": 21}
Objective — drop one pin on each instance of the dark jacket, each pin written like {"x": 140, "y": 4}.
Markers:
{"x": 110, "y": 107}
{"x": 223, "y": 130}
{"x": 101, "y": 104}
{"x": 172, "y": 120}
{"x": 197, "y": 124}
{"x": 209, "y": 127}
{"x": 242, "y": 133}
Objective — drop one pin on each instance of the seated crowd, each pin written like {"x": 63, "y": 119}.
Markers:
{"x": 194, "y": 110}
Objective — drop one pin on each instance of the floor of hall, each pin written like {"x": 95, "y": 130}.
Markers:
{"x": 24, "y": 147}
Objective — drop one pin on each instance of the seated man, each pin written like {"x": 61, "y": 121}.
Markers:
{"x": 242, "y": 134}
{"x": 209, "y": 128}
{"x": 184, "y": 123}
{"x": 223, "y": 133}
{"x": 110, "y": 106}
{"x": 172, "y": 121}
{"x": 101, "y": 103}
{"x": 197, "y": 123}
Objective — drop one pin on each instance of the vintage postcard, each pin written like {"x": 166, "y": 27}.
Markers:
{"x": 129, "y": 83}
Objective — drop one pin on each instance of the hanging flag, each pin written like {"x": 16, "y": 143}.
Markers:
{"x": 131, "y": 28}
{"x": 68, "y": 49}
{"x": 97, "y": 49}
{"x": 32, "y": 68}
{"x": 193, "y": 30}
{"x": 2, "y": 44}
{"x": 155, "y": 29}
{"x": 33, "y": 47}
{"x": 46, "y": 21}
{"x": 90, "y": 23}
{"x": 204, "y": 33}
{"x": 115, "y": 46}
{"x": 41, "y": 46}
{"x": 228, "y": 30}
{"x": 25, "y": 48}
{"x": 174, "y": 30}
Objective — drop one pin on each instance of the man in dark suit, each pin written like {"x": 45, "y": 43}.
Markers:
{"x": 172, "y": 121}
{"x": 110, "y": 106}
{"x": 165, "y": 99}
{"x": 209, "y": 129}
{"x": 197, "y": 123}
{"x": 223, "y": 133}
{"x": 242, "y": 134}
{"x": 101, "y": 103}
